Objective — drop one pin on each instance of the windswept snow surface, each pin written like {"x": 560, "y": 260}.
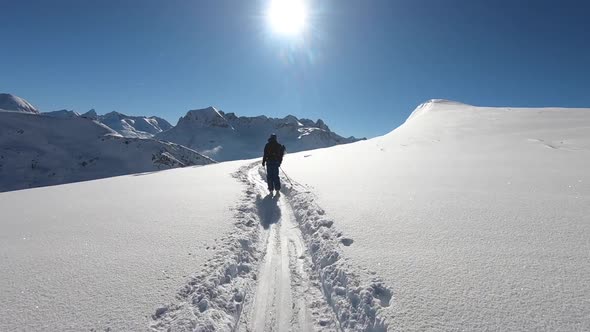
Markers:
{"x": 107, "y": 254}
{"x": 477, "y": 218}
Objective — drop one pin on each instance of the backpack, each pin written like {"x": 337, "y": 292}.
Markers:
{"x": 276, "y": 151}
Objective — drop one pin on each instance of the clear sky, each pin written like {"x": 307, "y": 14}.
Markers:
{"x": 361, "y": 65}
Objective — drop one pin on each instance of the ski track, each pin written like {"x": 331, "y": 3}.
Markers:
{"x": 281, "y": 270}
{"x": 281, "y": 302}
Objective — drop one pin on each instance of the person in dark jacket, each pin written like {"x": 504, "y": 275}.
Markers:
{"x": 273, "y": 157}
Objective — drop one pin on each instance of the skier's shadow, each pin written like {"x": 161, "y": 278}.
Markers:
{"x": 268, "y": 210}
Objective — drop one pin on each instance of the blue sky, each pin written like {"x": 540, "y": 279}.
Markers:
{"x": 362, "y": 65}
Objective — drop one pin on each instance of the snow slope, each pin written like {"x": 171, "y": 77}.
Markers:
{"x": 224, "y": 136}
{"x": 38, "y": 150}
{"x": 477, "y": 218}
{"x": 195, "y": 249}
{"x": 132, "y": 126}
{"x": 10, "y": 102}
{"x": 103, "y": 254}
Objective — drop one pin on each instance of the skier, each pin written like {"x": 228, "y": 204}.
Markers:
{"x": 273, "y": 157}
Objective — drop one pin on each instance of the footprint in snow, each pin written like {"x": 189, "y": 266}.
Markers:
{"x": 346, "y": 241}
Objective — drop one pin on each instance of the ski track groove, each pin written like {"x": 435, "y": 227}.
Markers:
{"x": 287, "y": 275}
{"x": 281, "y": 273}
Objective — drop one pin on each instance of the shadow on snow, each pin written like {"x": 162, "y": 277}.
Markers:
{"x": 269, "y": 210}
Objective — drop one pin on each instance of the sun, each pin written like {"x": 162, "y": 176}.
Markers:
{"x": 287, "y": 17}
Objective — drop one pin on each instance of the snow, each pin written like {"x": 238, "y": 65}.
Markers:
{"x": 125, "y": 125}
{"x": 62, "y": 114}
{"x": 476, "y": 217}
{"x": 106, "y": 253}
{"x": 132, "y": 126}
{"x": 464, "y": 218}
{"x": 10, "y": 102}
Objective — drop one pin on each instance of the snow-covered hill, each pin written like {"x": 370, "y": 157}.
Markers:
{"x": 39, "y": 150}
{"x": 10, "y": 102}
{"x": 477, "y": 218}
{"x": 132, "y": 126}
{"x": 228, "y": 137}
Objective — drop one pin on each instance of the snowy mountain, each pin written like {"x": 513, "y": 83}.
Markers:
{"x": 125, "y": 125}
{"x": 40, "y": 150}
{"x": 462, "y": 219}
{"x": 9, "y": 102}
{"x": 132, "y": 126}
{"x": 224, "y": 136}
{"x": 90, "y": 115}
{"x": 62, "y": 114}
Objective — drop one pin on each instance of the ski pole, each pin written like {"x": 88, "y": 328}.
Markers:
{"x": 285, "y": 174}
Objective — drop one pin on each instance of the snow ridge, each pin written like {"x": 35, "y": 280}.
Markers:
{"x": 62, "y": 114}
{"x": 432, "y": 104}
{"x": 357, "y": 305}
{"x": 132, "y": 126}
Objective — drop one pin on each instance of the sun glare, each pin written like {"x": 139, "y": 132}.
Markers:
{"x": 287, "y": 17}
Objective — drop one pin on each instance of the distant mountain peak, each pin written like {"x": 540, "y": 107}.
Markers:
{"x": 113, "y": 114}
{"x": 134, "y": 126}
{"x": 291, "y": 119}
{"x": 320, "y": 124}
{"x": 205, "y": 112}
{"x": 90, "y": 115}
{"x": 62, "y": 114}
{"x": 10, "y": 102}
{"x": 205, "y": 117}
